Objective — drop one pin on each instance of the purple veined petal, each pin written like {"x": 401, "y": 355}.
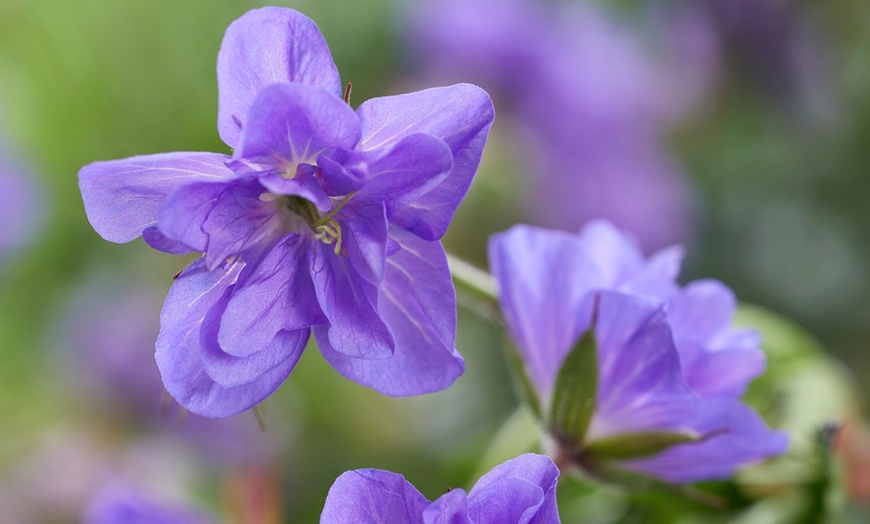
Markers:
{"x": 406, "y": 170}
{"x": 522, "y": 490}
{"x": 641, "y": 386}
{"x": 541, "y": 306}
{"x": 417, "y": 301}
{"x": 449, "y": 508}
{"x": 343, "y": 171}
{"x": 229, "y": 371}
{"x": 349, "y": 303}
{"x": 268, "y": 46}
{"x": 365, "y": 238}
{"x": 222, "y": 220}
{"x": 372, "y": 496}
{"x": 180, "y": 346}
{"x": 716, "y": 359}
{"x": 157, "y": 240}
{"x": 293, "y": 123}
{"x": 123, "y": 197}
{"x": 119, "y": 503}
{"x": 277, "y": 296}
{"x": 746, "y": 440}
{"x": 460, "y": 115}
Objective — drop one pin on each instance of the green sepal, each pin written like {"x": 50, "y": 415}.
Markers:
{"x": 627, "y": 446}
{"x": 574, "y": 391}
{"x": 521, "y": 380}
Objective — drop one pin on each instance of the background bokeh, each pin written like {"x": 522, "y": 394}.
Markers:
{"x": 740, "y": 128}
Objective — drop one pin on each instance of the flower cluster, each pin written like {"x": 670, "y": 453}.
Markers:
{"x": 634, "y": 371}
{"x": 328, "y": 220}
{"x": 324, "y": 219}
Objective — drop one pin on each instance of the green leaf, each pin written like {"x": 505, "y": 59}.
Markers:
{"x": 628, "y": 446}
{"x": 521, "y": 380}
{"x": 574, "y": 391}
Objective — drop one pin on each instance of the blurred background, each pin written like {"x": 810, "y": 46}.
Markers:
{"x": 739, "y": 128}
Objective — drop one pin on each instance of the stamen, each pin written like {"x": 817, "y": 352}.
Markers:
{"x": 334, "y": 210}
{"x": 329, "y": 233}
{"x": 347, "y": 93}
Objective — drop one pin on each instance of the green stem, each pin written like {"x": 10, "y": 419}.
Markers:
{"x": 473, "y": 278}
{"x": 476, "y": 290}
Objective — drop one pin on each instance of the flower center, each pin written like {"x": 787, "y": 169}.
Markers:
{"x": 326, "y": 228}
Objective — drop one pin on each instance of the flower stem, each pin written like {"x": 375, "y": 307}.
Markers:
{"x": 476, "y": 290}
{"x": 473, "y": 278}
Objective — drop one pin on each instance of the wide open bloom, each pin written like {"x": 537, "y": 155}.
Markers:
{"x": 323, "y": 218}
{"x": 520, "y": 491}
{"x": 716, "y": 358}
{"x": 554, "y": 287}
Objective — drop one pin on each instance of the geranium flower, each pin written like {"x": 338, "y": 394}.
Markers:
{"x": 599, "y": 329}
{"x": 520, "y": 491}
{"x": 323, "y": 218}
{"x": 716, "y": 358}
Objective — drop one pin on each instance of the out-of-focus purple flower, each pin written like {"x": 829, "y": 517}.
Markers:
{"x": 592, "y": 101}
{"x": 521, "y": 491}
{"x": 555, "y": 286}
{"x": 122, "y": 504}
{"x": 323, "y": 218}
{"x": 20, "y": 210}
{"x": 105, "y": 340}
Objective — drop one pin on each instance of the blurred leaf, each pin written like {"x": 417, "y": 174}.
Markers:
{"x": 626, "y": 446}
{"x": 522, "y": 382}
{"x": 574, "y": 391}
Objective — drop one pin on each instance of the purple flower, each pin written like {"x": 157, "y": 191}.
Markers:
{"x": 322, "y": 218}
{"x": 521, "y": 491}
{"x": 715, "y": 357}
{"x": 653, "y": 343}
{"x": 122, "y": 504}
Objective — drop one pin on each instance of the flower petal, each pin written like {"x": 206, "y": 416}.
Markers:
{"x": 406, "y": 170}
{"x": 157, "y": 240}
{"x": 268, "y": 46}
{"x": 180, "y": 346}
{"x": 641, "y": 386}
{"x": 460, "y": 115}
{"x": 229, "y": 371}
{"x": 449, "y": 508}
{"x": 293, "y": 123}
{"x": 123, "y": 197}
{"x": 349, "y": 302}
{"x": 222, "y": 220}
{"x": 716, "y": 359}
{"x": 277, "y": 296}
{"x": 520, "y": 490}
{"x": 542, "y": 307}
{"x": 366, "y": 239}
{"x": 746, "y": 440}
{"x": 417, "y": 301}
{"x": 373, "y": 496}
